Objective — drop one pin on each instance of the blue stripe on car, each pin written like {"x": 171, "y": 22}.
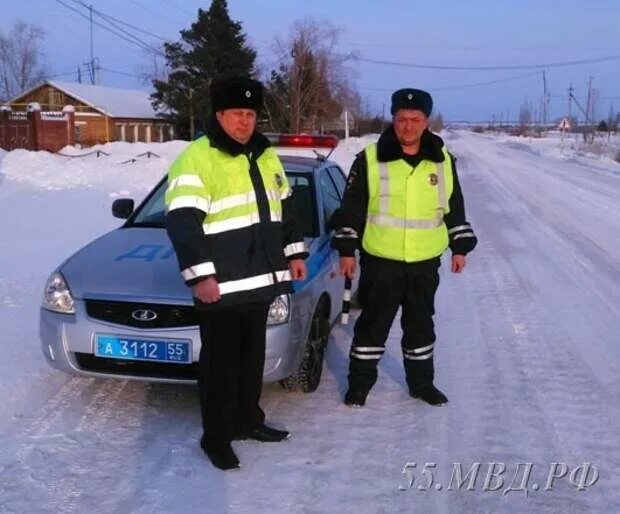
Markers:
{"x": 315, "y": 263}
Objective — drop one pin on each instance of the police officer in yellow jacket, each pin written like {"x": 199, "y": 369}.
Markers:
{"x": 402, "y": 208}
{"x": 231, "y": 221}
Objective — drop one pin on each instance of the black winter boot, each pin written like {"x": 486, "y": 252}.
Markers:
{"x": 430, "y": 394}
{"x": 221, "y": 455}
{"x": 265, "y": 434}
{"x": 355, "y": 398}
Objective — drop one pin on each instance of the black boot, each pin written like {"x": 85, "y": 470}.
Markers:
{"x": 264, "y": 434}
{"x": 355, "y": 398}
{"x": 221, "y": 455}
{"x": 430, "y": 394}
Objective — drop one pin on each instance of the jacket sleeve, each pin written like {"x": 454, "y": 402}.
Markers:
{"x": 187, "y": 203}
{"x": 349, "y": 220}
{"x": 293, "y": 237}
{"x": 461, "y": 234}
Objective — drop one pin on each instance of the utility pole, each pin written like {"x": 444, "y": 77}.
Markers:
{"x": 93, "y": 78}
{"x": 570, "y": 105}
{"x": 589, "y": 102}
{"x": 572, "y": 97}
{"x": 589, "y": 113}
{"x": 545, "y": 106}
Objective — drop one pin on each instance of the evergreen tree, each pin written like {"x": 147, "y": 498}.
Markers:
{"x": 214, "y": 47}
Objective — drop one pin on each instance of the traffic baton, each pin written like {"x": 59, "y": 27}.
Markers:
{"x": 346, "y": 301}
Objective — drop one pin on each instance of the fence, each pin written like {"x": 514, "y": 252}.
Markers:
{"x": 36, "y": 129}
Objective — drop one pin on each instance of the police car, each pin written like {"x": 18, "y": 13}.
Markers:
{"x": 119, "y": 308}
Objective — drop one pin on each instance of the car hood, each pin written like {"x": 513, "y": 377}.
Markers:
{"x": 131, "y": 264}
{"x": 127, "y": 264}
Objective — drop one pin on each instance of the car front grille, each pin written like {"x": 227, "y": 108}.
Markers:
{"x": 128, "y": 314}
{"x": 89, "y": 362}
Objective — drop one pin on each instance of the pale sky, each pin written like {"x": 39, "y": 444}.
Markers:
{"x": 452, "y": 33}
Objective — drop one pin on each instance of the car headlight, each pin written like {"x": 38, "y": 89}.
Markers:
{"x": 57, "y": 296}
{"x": 279, "y": 310}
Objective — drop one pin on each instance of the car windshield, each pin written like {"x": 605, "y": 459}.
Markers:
{"x": 152, "y": 213}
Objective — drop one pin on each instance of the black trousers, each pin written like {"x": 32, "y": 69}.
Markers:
{"x": 230, "y": 370}
{"x": 384, "y": 286}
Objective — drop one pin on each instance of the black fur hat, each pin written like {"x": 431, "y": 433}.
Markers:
{"x": 412, "y": 99}
{"x": 236, "y": 93}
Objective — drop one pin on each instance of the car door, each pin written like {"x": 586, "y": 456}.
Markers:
{"x": 332, "y": 183}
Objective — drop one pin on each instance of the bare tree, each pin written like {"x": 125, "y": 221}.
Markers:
{"x": 21, "y": 59}
{"x": 312, "y": 82}
{"x": 154, "y": 68}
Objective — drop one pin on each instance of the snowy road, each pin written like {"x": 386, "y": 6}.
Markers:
{"x": 528, "y": 352}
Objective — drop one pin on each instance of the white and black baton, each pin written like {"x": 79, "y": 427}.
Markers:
{"x": 346, "y": 301}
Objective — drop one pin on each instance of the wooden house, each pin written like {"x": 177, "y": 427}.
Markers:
{"x": 102, "y": 114}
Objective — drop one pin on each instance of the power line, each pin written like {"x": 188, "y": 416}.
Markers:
{"x": 134, "y": 40}
{"x": 125, "y": 73}
{"x": 463, "y": 86}
{"x": 140, "y": 42}
{"x": 159, "y": 15}
{"x": 62, "y": 74}
{"x": 143, "y": 44}
{"x": 487, "y": 83}
{"x": 112, "y": 19}
{"x": 492, "y": 68}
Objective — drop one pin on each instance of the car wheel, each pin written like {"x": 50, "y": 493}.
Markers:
{"x": 308, "y": 375}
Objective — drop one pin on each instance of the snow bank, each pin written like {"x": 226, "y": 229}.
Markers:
{"x": 347, "y": 149}
{"x": 135, "y": 166}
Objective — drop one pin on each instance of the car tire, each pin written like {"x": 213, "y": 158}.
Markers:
{"x": 308, "y": 376}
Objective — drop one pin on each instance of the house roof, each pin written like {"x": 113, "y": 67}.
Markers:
{"x": 111, "y": 101}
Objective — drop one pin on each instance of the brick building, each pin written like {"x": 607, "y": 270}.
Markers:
{"x": 102, "y": 114}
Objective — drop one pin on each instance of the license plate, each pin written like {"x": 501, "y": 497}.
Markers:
{"x": 116, "y": 347}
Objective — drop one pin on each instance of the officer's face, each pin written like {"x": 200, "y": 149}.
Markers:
{"x": 409, "y": 125}
{"x": 238, "y": 123}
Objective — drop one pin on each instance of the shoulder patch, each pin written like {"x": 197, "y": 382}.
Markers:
{"x": 279, "y": 180}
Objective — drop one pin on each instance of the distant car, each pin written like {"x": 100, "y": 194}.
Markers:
{"x": 119, "y": 307}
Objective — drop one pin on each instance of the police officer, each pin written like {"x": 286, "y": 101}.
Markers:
{"x": 402, "y": 207}
{"x": 230, "y": 219}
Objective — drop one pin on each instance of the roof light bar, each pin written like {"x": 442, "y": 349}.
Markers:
{"x": 303, "y": 141}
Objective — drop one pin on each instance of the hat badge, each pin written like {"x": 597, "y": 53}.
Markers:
{"x": 410, "y": 96}
{"x": 248, "y": 94}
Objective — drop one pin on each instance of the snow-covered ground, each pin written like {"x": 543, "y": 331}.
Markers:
{"x": 567, "y": 146}
{"x": 528, "y": 352}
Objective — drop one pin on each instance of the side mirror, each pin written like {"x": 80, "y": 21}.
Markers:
{"x": 122, "y": 208}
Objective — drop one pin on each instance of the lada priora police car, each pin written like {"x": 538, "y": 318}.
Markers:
{"x": 119, "y": 307}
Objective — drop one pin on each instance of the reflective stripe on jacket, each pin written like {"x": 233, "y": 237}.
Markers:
{"x": 240, "y": 200}
{"x": 406, "y": 208}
